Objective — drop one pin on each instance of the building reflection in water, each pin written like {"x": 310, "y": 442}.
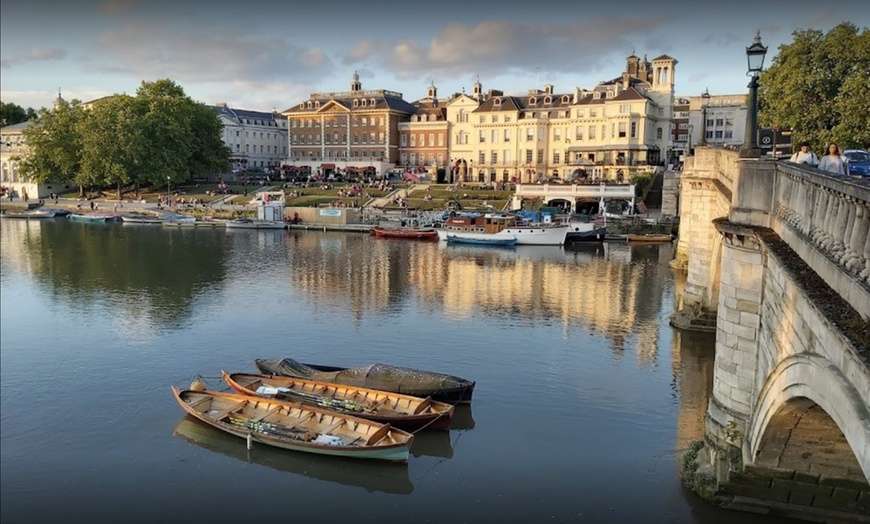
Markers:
{"x": 600, "y": 287}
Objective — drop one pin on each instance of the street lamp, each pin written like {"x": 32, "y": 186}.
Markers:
{"x": 169, "y": 190}
{"x": 755, "y": 62}
{"x": 705, "y": 99}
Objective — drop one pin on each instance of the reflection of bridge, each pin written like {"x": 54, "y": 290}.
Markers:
{"x": 572, "y": 194}
{"x": 778, "y": 256}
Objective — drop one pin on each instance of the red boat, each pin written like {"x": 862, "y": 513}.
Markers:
{"x": 406, "y": 232}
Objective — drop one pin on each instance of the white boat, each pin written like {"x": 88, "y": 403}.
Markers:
{"x": 33, "y": 213}
{"x": 247, "y": 223}
{"x": 502, "y": 226}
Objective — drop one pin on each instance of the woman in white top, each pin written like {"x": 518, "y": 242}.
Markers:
{"x": 834, "y": 161}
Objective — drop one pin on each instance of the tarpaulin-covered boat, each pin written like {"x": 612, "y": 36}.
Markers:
{"x": 408, "y": 381}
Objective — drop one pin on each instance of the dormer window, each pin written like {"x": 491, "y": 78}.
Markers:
{"x": 565, "y": 99}
{"x": 302, "y": 105}
{"x": 363, "y": 102}
{"x": 610, "y": 94}
{"x": 317, "y": 104}
{"x": 497, "y": 101}
{"x": 547, "y": 100}
{"x": 373, "y": 103}
{"x": 355, "y": 102}
{"x": 597, "y": 96}
{"x": 309, "y": 105}
{"x": 533, "y": 101}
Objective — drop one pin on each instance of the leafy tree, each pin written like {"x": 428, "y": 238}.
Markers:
{"x": 113, "y": 143}
{"x": 55, "y": 144}
{"x": 818, "y": 86}
{"x": 11, "y": 114}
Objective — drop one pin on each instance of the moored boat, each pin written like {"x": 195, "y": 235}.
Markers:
{"x": 480, "y": 240}
{"x": 502, "y": 225}
{"x": 30, "y": 214}
{"x": 295, "y": 426}
{"x": 585, "y": 232}
{"x": 137, "y": 218}
{"x": 399, "y": 410}
{"x": 650, "y": 237}
{"x": 414, "y": 233}
{"x": 384, "y": 377}
{"x": 247, "y": 223}
{"x": 96, "y": 218}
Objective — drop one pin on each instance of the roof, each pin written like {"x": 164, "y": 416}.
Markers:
{"x": 382, "y": 100}
{"x": 231, "y": 112}
{"x": 663, "y": 57}
{"x": 524, "y": 103}
{"x": 16, "y": 128}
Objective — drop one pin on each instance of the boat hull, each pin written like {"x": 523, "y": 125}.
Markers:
{"x": 525, "y": 236}
{"x": 577, "y": 234}
{"x": 29, "y": 215}
{"x": 256, "y": 225}
{"x": 94, "y": 219}
{"x": 393, "y": 452}
{"x": 441, "y": 387}
{"x": 398, "y": 410}
{"x": 650, "y": 238}
{"x": 416, "y": 234}
{"x": 480, "y": 240}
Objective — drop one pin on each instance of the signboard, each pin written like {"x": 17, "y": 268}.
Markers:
{"x": 330, "y": 212}
{"x": 774, "y": 141}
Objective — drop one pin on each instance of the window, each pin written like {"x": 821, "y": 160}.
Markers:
{"x": 533, "y": 101}
{"x": 528, "y": 156}
{"x": 431, "y": 139}
{"x": 556, "y": 157}
{"x": 355, "y": 139}
{"x": 597, "y": 96}
{"x": 507, "y": 120}
{"x": 557, "y": 135}
{"x": 529, "y": 135}
{"x": 729, "y": 122}
{"x": 720, "y": 122}
{"x": 548, "y": 100}
{"x": 507, "y": 135}
{"x": 709, "y": 134}
{"x": 495, "y": 119}
{"x": 440, "y": 159}
{"x": 540, "y": 157}
{"x": 506, "y": 156}
{"x": 413, "y": 159}
{"x": 541, "y": 132}
{"x": 440, "y": 141}
{"x": 481, "y": 159}
{"x": 634, "y": 130}
{"x": 413, "y": 140}
{"x": 719, "y": 134}
{"x": 403, "y": 159}
{"x": 729, "y": 134}
{"x": 355, "y": 103}
{"x": 591, "y": 132}
{"x": 683, "y": 137}
{"x": 612, "y": 130}
{"x": 365, "y": 121}
{"x": 622, "y": 130}
{"x": 625, "y": 108}
{"x": 684, "y": 126}
{"x": 431, "y": 158}
{"x": 380, "y": 138}
{"x": 496, "y": 102}
{"x": 481, "y": 137}
{"x": 372, "y": 137}
{"x": 579, "y": 113}
{"x": 494, "y": 136}
{"x": 482, "y": 119}
{"x": 565, "y": 99}
{"x": 494, "y": 157}
{"x": 593, "y": 113}
{"x": 659, "y": 133}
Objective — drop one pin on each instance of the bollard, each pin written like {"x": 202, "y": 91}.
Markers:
{"x": 250, "y": 442}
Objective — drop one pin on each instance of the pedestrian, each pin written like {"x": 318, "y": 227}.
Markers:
{"x": 805, "y": 156}
{"x": 834, "y": 161}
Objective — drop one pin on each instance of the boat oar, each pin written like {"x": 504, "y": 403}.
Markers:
{"x": 326, "y": 402}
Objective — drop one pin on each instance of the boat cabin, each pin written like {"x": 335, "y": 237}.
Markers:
{"x": 486, "y": 223}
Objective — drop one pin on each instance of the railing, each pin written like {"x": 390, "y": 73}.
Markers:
{"x": 831, "y": 212}
{"x": 574, "y": 191}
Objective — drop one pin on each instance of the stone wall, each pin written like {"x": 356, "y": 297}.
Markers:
{"x": 671, "y": 193}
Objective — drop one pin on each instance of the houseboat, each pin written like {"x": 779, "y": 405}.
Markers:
{"x": 502, "y": 226}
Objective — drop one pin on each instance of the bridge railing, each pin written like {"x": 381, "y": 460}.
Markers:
{"x": 830, "y": 212}
{"x": 575, "y": 191}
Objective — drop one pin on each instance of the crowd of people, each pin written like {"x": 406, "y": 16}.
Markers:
{"x": 834, "y": 161}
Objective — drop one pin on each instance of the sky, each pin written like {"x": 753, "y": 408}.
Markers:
{"x": 269, "y": 55}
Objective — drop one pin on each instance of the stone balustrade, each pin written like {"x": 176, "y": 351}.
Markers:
{"x": 578, "y": 190}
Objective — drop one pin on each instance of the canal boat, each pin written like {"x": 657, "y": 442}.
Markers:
{"x": 402, "y": 232}
{"x": 384, "y": 477}
{"x": 296, "y": 426}
{"x": 93, "y": 218}
{"x": 407, "y": 381}
{"x": 404, "y": 411}
{"x": 481, "y": 241}
{"x": 650, "y": 237}
{"x": 503, "y": 225}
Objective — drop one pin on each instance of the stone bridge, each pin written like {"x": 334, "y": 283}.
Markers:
{"x": 778, "y": 264}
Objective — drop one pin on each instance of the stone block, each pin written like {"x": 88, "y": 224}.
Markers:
{"x": 800, "y": 487}
{"x": 846, "y": 495}
{"x": 745, "y": 479}
{"x": 807, "y": 478}
{"x": 773, "y": 473}
{"x": 747, "y": 306}
{"x": 749, "y": 319}
{"x": 844, "y": 483}
{"x": 864, "y": 501}
{"x": 746, "y": 332}
{"x": 801, "y": 499}
{"x": 746, "y": 294}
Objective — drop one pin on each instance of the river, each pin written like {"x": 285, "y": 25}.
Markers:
{"x": 585, "y": 396}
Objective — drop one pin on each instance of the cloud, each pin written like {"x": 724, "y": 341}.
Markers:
{"x": 697, "y": 77}
{"x": 37, "y": 99}
{"x": 35, "y": 55}
{"x": 497, "y": 47}
{"x": 258, "y": 96}
{"x": 725, "y": 40}
{"x": 151, "y": 50}
{"x": 118, "y": 7}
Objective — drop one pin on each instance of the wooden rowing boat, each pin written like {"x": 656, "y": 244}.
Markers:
{"x": 296, "y": 426}
{"x": 402, "y": 232}
{"x": 650, "y": 237}
{"x": 404, "y": 411}
{"x": 383, "y": 377}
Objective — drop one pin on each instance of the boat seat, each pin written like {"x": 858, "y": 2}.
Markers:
{"x": 220, "y": 415}
{"x": 378, "y": 435}
{"x": 299, "y": 422}
{"x": 266, "y": 414}
{"x": 199, "y": 402}
{"x": 333, "y": 427}
{"x": 423, "y": 405}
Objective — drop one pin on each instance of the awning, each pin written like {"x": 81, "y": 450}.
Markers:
{"x": 327, "y": 166}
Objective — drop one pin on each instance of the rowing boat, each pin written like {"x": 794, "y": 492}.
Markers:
{"x": 650, "y": 237}
{"x": 403, "y": 232}
{"x": 384, "y": 377}
{"x": 296, "y": 426}
{"x": 399, "y": 410}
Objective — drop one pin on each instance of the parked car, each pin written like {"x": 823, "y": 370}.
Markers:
{"x": 859, "y": 162}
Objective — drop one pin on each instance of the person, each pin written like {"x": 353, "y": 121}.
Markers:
{"x": 834, "y": 161}
{"x": 805, "y": 156}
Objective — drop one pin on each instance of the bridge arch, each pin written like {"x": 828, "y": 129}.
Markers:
{"x": 806, "y": 377}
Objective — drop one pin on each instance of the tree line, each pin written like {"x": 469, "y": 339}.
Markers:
{"x": 819, "y": 86}
{"x": 158, "y": 136}
{"x": 11, "y": 114}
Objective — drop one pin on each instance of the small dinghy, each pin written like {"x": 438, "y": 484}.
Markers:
{"x": 403, "y": 411}
{"x": 407, "y": 381}
{"x": 296, "y": 426}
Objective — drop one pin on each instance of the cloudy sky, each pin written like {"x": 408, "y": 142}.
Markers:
{"x": 269, "y": 54}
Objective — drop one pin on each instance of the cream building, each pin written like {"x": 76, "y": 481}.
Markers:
{"x": 619, "y": 128}
{"x": 461, "y": 153}
{"x": 257, "y": 140}
{"x": 725, "y": 120}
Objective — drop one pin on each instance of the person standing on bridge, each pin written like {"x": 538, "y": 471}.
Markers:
{"x": 834, "y": 161}
{"x": 805, "y": 156}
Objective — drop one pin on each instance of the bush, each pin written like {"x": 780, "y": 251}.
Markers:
{"x": 641, "y": 181}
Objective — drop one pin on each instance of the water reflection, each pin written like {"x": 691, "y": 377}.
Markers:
{"x": 432, "y": 444}
{"x": 462, "y": 417}
{"x": 388, "y": 478}
{"x": 692, "y": 363}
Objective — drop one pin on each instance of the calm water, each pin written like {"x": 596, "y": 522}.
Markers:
{"x": 585, "y": 395}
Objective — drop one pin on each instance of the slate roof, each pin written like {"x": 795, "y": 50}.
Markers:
{"x": 664, "y": 57}
{"x": 382, "y": 101}
{"x": 237, "y": 114}
{"x": 16, "y": 128}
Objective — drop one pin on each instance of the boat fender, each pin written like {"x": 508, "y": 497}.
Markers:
{"x": 198, "y": 385}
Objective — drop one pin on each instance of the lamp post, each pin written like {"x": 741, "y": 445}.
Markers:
{"x": 705, "y": 99}
{"x": 169, "y": 190}
{"x": 755, "y": 62}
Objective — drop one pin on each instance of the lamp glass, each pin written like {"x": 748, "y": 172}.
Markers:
{"x": 755, "y": 58}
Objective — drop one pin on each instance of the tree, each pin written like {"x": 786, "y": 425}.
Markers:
{"x": 11, "y": 114}
{"x": 818, "y": 86}
{"x": 55, "y": 144}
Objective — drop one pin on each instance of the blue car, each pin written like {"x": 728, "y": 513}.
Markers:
{"x": 859, "y": 162}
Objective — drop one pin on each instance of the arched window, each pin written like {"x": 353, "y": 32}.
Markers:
{"x": 533, "y": 101}
{"x": 659, "y": 133}
{"x": 497, "y": 101}
{"x": 547, "y": 100}
{"x": 565, "y": 99}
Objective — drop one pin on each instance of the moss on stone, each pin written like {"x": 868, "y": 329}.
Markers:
{"x": 701, "y": 483}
